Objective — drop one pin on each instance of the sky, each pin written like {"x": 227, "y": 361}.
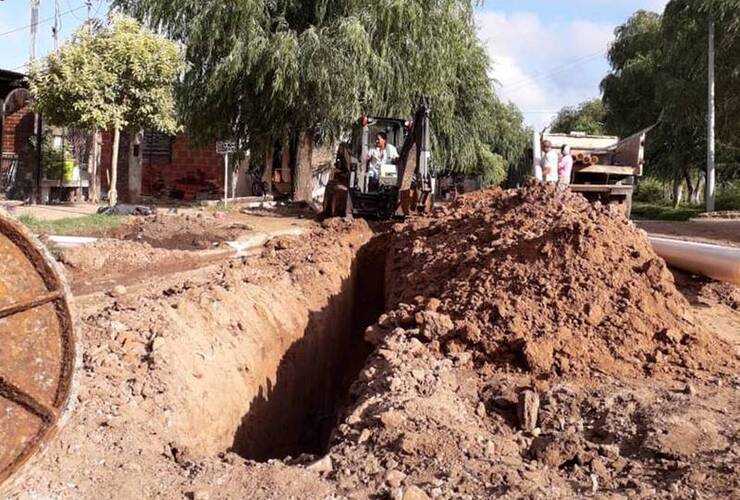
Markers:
{"x": 546, "y": 54}
{"x": 551, "y": 54}
{"x": 15, "y": 17}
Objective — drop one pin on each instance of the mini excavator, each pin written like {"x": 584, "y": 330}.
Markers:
{"x": 404, "y": 187}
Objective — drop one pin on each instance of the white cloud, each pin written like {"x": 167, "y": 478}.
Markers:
{"x": 542, "y": 65}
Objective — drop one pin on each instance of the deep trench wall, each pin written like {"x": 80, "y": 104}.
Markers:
{"x": 256, "y": 368}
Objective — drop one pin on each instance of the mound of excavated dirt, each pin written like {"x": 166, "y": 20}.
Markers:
{"x": 540, "y": 279}
{"x": 181, "y": 232}
{"x": 512, "y": 364}
{"x": 126, "y": 260}
{"x": 247, "y": 356}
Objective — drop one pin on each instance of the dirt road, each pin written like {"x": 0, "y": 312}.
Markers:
{"x": 724, "y": 232}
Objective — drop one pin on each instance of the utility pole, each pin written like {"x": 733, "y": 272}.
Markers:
{"x": 57, "y": 25}
{"x": 711, "y": 188}
{"x": 34, "y": 27}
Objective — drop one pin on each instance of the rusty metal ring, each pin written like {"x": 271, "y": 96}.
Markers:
{"x": 37, "y": 347}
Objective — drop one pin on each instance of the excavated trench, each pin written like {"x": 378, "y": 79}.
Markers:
{"x": 296, "y": 412}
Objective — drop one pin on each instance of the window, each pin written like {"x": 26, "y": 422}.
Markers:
{"x": 157, "y": 146}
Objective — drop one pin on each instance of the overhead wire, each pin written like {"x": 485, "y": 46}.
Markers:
{"x": 42, "y": 21}
{"x": 556, "y": 70}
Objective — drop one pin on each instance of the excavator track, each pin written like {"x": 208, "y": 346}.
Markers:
{"x": 37, "y": 347}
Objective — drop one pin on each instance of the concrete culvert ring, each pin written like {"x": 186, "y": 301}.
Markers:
{"x": 37, "y": 352}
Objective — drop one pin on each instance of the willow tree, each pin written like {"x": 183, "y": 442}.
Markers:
{"x": 630, "y": 90}
{"x": 659, "y": 74}
{"x": 268, "y": 71}
{"x": 110, "y": 77}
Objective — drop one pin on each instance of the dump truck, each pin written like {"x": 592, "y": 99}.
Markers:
{"x": 37, "y": 353}
{"x": 605, "y": 167}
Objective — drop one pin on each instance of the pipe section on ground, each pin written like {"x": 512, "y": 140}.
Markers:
{"x": 714, "y": 261}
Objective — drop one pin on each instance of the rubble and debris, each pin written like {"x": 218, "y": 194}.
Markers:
{"x": 531, "y": 345}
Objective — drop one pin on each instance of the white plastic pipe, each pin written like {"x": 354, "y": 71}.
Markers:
{"x": 71, "y": 241}
{"x": 714, "y": 261}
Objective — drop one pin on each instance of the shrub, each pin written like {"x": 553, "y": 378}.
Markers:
{"x": 728, "y": 198}
{"x": 650, "y": 190}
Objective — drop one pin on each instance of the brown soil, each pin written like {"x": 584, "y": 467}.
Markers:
{"x": 132, "y": 260}
{"x": 115, "y": 262}
{"x": 196, "y": 231}
{"x": 723, "y": 232}
{"x": 540, "y": 279}
{"x": 190, "y": 378}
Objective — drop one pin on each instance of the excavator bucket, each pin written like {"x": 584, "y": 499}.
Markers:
{"x": 37, "y": 347}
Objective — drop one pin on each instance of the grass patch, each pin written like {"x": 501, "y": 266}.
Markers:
{"x": 658, "y": 211}
{"x": 90, "y": 225}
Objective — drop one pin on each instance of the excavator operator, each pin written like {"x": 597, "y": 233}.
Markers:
{"x": 382, "y": 154}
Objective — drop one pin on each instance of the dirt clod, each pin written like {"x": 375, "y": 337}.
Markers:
{"x": 528, "y": 409}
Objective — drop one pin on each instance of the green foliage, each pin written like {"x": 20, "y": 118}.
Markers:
{"x": 493, "y": 168}
{"x": 108, "y": 77}
{"x": 588, "y": 117}
{"x": 650, "y": 190}
{"x": 265, "y": 71}
{"x": 630, "y": 88}
{"x": 659, "y": 68}
{"x": 90, "y": 225}
{"x": 660, "y": 211}
{"x": 728, "y": 197}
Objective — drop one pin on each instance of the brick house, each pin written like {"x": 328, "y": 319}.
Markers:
{"x": 19, "y": 165}
{"x": 159, "y": 166}
{"x": 156, "y": 165}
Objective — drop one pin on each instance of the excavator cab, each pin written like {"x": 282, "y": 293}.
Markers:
{"x": 403, "y": 187}
{"x": 363, "y": 140}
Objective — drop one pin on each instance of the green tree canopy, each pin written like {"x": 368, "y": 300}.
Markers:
{"x": 659, "y": 74}
{"x": 588, "y": 117}
{"x": 630, "y": 89}
{"x": 266, "y": 71}
{"x": 110, "y": 77}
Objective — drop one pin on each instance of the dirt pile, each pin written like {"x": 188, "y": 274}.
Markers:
{"x": 471, "y": 391}
{"x": 540, "y": 279}
{"x": 535, "y": 347}
{"x": 181, "y": 232}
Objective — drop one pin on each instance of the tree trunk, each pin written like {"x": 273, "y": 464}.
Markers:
{"x": 92, "y": 168}
{"x": 113, "y": 191}
{"x": 695, "y": 197}
{"x": 267, "y": 172}
{"x": 677, "y": 191}
{"x": 693, "y": 188}
{"x": 303, "y": 178}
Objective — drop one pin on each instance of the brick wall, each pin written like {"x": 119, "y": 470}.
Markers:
{"x": 194, "y": 172}
{"x": 17, "y": 130}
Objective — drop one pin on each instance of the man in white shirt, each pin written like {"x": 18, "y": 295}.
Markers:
{"x": 547, "y": 170}
{"x": 382, "y": 154}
